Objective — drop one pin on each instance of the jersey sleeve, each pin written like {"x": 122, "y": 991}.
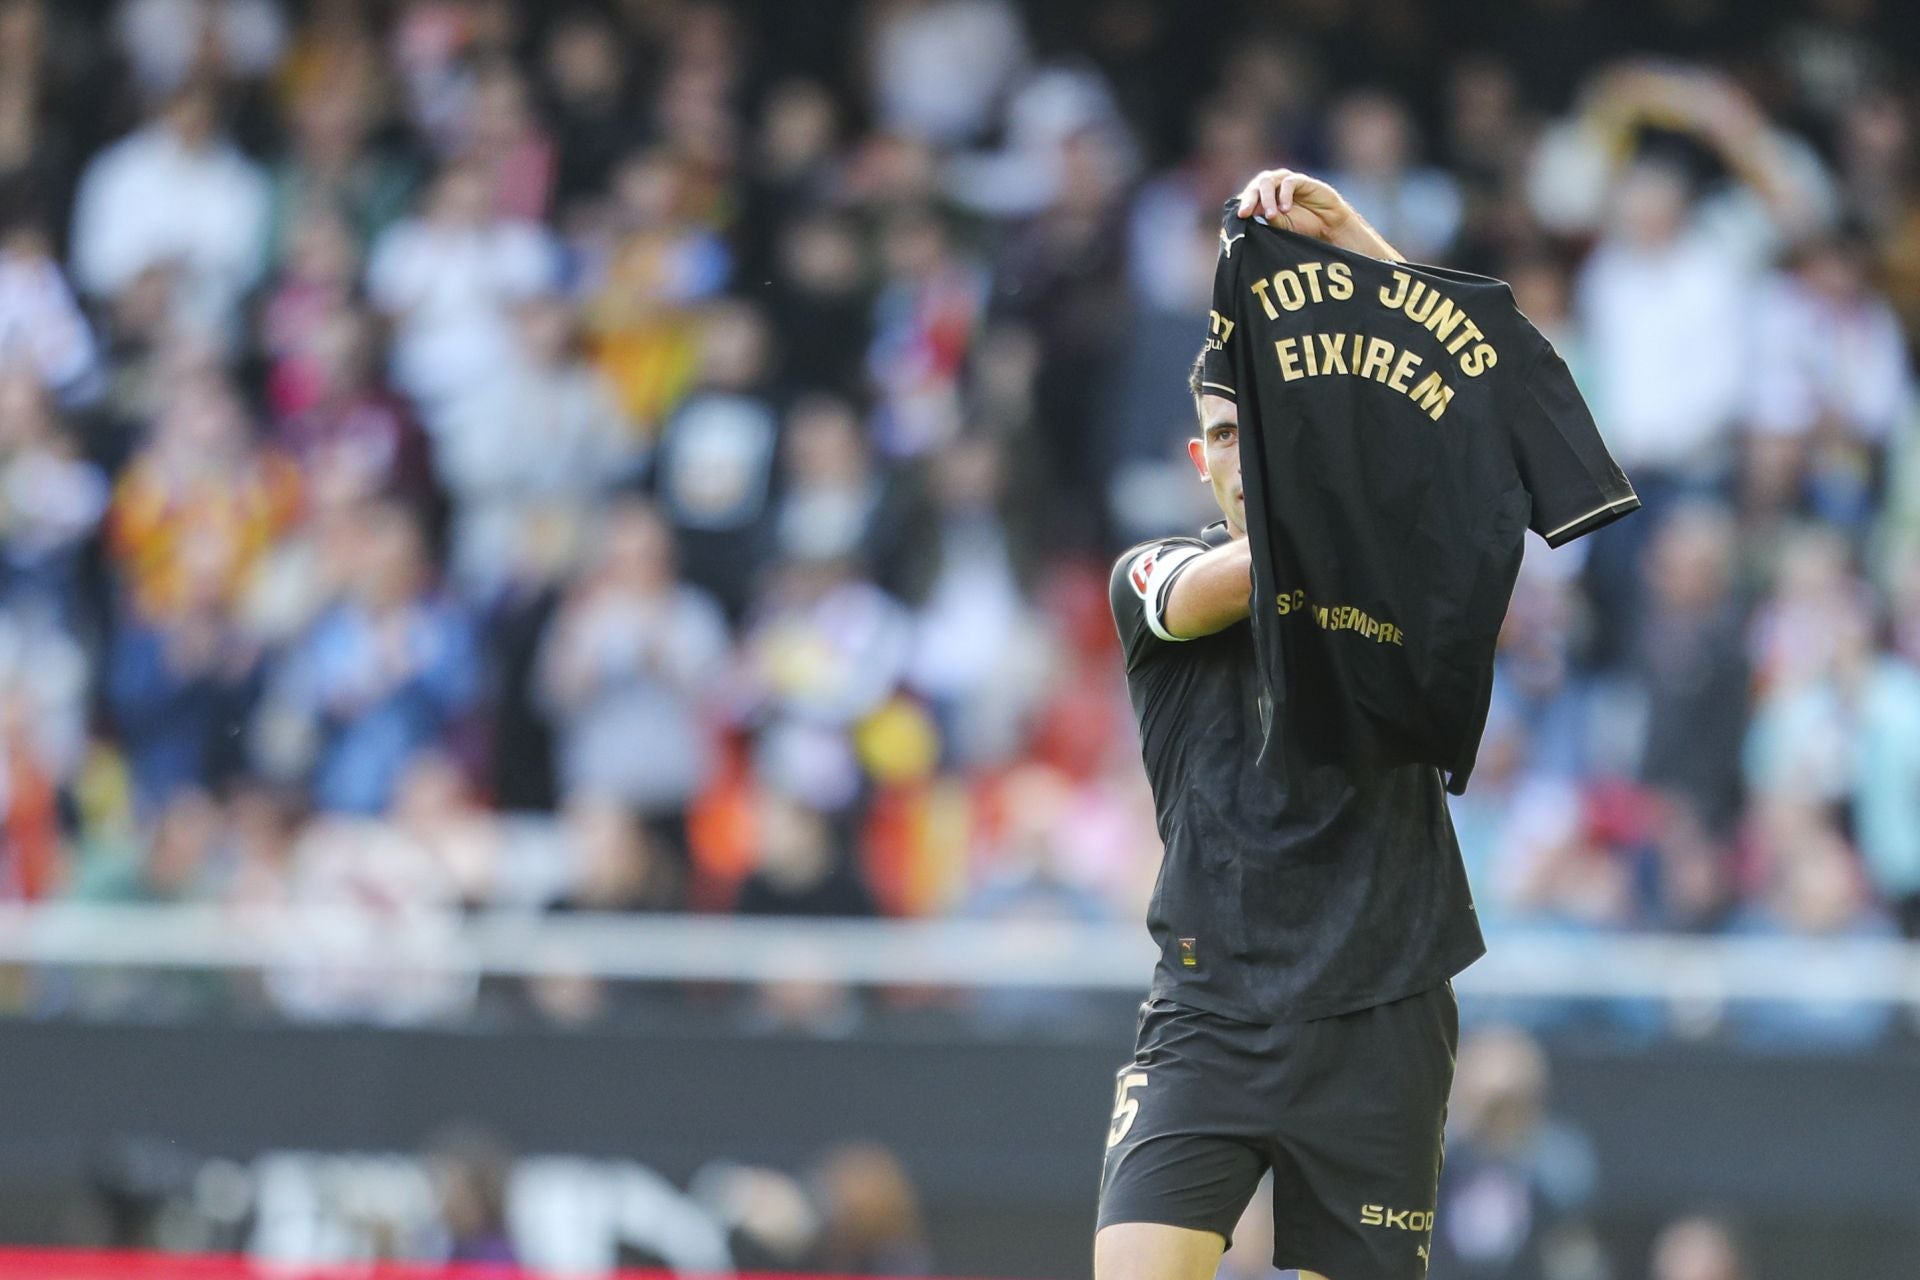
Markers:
{"x": 1137, "y": 591}
{"x": 1575, "y": 484}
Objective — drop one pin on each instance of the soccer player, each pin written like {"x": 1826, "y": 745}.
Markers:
{"x": 1301, "y": 1018}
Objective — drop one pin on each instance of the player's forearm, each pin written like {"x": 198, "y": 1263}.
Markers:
{"x": 1211, "y": 593}
{"x": 1357, "y": 234}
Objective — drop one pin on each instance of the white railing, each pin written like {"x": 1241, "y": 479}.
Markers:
{"x": 936, "y": 953}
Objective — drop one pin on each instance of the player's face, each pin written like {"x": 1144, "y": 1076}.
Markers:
{"x": 1216, "y": 455}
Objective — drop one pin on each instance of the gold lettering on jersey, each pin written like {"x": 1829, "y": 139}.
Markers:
{"x": 1378, "y": 359}
{"x": 1432, "y": 395}
{"x": 1288, "y": 350}
{"x": 1219, "y": 328}
{"x": 1439, "y": 315}
{"x": 1292, "y": 288}
{"x": 1402, "y": 370}
{"x": 1339, "y": 617}
{"x": 1362, "y": 355}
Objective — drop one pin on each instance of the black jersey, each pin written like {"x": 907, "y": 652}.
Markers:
{"x": 1401, "y": 427}
{"x": 1280, "y": 898}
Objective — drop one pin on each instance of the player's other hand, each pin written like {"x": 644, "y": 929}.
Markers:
{"x": 1295, "y": 201}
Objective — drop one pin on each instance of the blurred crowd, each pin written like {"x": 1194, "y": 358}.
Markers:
{"x": 468, "y": 1198}
{"x": 661, "y": 455}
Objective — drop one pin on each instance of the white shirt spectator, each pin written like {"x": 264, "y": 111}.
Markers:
{"x": 1819, "y": 356}
{"x": 451, "y": 288}
{"x": 41, "y": 327}
{"x": 1665, "y": 331}
{"x": 939, "y": 69}
{"x": 520, "y": 490}
{"x": 152, "y": 199}
{"x": 622, "y": 670}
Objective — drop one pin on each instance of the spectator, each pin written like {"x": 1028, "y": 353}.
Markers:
{"x": 794, "y": 161}
{"x": 1850, "y": 737}
{"x": 315, "y": 283}
{"x": 586, "y": 76}
{"x": 175, "y": 194}
{"x": 634, "y": 655}
{"x": 1832, "y": 377}
{"x": 1515, "y": 1193}
{"x": 388, "y": 670}
{"x": 504, "y": 141}
{"x": 824, "y": 651}
{"x": 333, "y": 163}
{"x": 1416, "y": 208}
{"x": 181, "y": 685}
{"x": 1690, "y": 666}
{"x": 938, "y": 67}
{"x": 470, "y": 1174}
{"x": 1064, "y": 277}
{"x": 832, "y": 492}
{"x": 804, "y": 869}
{"x": 168, "y": 42}
{"x": 924, "y": 324}
{"x": 714, "y": 468}
{"x": 520, "y": 495}
{"x": 645, "y": 265}
{"x": 174, "y": 866}
{"x": 351, "y": 435}
{"x": 44, "y": 681}
{"x": 374, "y": 945}
{"x": 619, "y": 864}
{"x": 51, "y": 502}
{"x": 821, "y": 306}
{"x": 1811, "y": 890}
{"x": 449, "y": 278}
{"x": 1666, "y": 382}
{"x": 434, "y": 806}
{"x": 1697, "y": 1248}
{"x": 871, "y": 1220}
{"x": 42, "y": 113}
{"x": 957, "y": 565}
{"x": 1172, "y": 237}
{"x": 1791, "y": 636}
{"x": 41, "y": 328}
{"x": 201, "y": 490}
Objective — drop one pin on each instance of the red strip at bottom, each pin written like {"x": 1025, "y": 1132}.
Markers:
{"x": 76, "y": 1264}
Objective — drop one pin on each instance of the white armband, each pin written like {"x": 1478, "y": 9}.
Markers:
{"x": 1150, "y": 574}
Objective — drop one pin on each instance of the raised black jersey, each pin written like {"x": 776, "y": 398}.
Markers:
{"x": 1280, "y": 897}
{"x": 1401, "y": 428}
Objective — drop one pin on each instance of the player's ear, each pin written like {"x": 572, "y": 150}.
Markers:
{"x": 1198, "y": 452}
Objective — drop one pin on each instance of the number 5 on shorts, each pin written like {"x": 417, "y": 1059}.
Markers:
{"x": 1125, "y": 1108}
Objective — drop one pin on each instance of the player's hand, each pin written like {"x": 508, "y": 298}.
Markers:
{"x": 1295, "y": 201}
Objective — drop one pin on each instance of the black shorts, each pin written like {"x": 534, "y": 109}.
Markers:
{"x": 1348, "y": 1112}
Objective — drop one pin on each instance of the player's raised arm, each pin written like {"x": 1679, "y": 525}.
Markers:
{"x": 1311, "y": 207}
{"x": 1211, "y": 593}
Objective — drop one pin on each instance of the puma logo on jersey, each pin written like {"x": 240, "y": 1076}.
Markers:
{"x": 1226, "y": 241}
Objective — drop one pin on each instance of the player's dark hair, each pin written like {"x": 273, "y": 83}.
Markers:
{"x": 1196, "y": 373}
